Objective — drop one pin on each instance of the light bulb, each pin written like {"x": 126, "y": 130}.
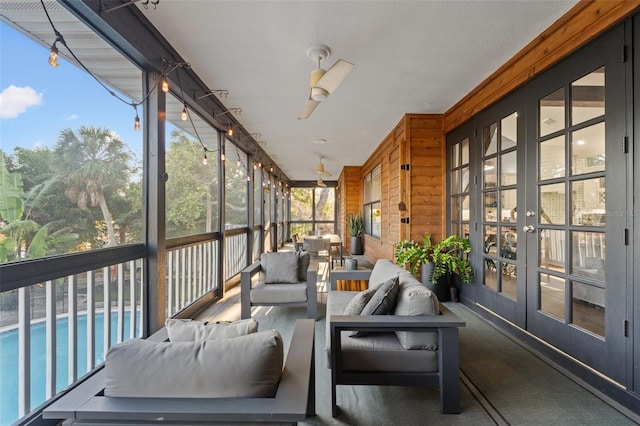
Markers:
{"x": 255, "y": 166}
{"x": 238, "y": 163}
{"x": 248, "y": 178}
{"x": 223, "y": 157}
{"x": 230, "y": 131}
{"x": 184, "y": 115}
{"x": 165, "y": 85}
{"x": 204, "y": 160}
{"x": 259, "y": 164}
{"x": 53, "y": 56}
{"x": 271, "y": 169}
{"x": 136, "y": 123}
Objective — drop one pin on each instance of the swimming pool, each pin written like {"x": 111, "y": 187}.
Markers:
{"x": 9, "y": 359}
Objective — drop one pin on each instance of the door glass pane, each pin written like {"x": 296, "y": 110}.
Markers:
{"x": 587, "y": 153}
{"x": 552, "y": 158}
{"x": 509, "y": 280}
{"x": 588, "y": 202}
{"x": 588, "y": 254}
{"x": 464, "y": 152}
{"x": 508, "y": 205}
{"x": 490, "y": 274}
{"x": 587, "y": 97}
{"x": 508, "y": 169}
{"x": 552, "y": 295}
{"x": 509, "y": 243}
{"x": 552, "y": 203}
{"x": 465, "y": 179}
{"x": 490, "y": 206}
{"x": 464, "y": 232}
{"x": 455, "y": 208}
{"x": 551, "y": 112}
{"x": 509, "y": 126}
{"x": 490, "y": 139}
{"x": 552, "y": 253}
{"x": 465, "y": 208}
{"x": 588, "y": 307}
{"x": 455, "y": 155}
{"x": 455, "y": 182}
{"x": 490, "y": 173}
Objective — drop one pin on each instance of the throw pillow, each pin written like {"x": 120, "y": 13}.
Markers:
{"x": 359, "y": 301}
{"x": 245, "y": 366}
{"x": 303, "y": 264}
{"x": 382, "y": 302}
{"x": 280, "y": 267}
{"x": 181, "y": 330}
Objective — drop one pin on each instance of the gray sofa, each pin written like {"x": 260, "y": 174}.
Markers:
{"x": 191, "y": 383}
{"x": 280, "y": 279}
{"x": 415, "y": 345}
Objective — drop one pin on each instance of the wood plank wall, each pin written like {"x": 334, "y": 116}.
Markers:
{"x": 350, "y": 202}
{"x": 419, "y": 139}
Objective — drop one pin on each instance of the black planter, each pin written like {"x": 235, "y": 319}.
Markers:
{"x": 441, "y": 288}
{"x": 356, "y": 245}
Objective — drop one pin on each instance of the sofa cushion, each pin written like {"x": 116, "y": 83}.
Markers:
{"x": 303, "y": 264}
{"x": 359, "y": 301}
{"x": 383, "y": 270}
{"x": 381, "y": 303}
{"x": 268, "y": 294}
{"x": 245, "y": 366}
{"x": 279, "y": 267}
{"x": 185, "y": 330}
{"x": 415, "y": 299}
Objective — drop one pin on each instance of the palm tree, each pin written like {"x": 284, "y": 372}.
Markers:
{"x": 93, "y": 162}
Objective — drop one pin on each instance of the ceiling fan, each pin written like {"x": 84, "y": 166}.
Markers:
{"x": 320, "y": 169}
{"x": 323, "y": 83}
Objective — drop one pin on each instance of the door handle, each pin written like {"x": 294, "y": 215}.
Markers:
{"x": 528, "y": 228}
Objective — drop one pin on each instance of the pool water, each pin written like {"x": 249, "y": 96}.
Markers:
{"x": 9, "y": 360}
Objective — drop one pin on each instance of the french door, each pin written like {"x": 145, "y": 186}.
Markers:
{"x": 575, "y": 222}
{"x": 546, "y": 205}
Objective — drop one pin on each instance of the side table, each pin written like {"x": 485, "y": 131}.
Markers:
{"x": 340, "y": 273}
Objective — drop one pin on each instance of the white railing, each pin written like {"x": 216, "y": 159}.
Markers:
{"x": 235, "y": 254}
{"x": 61, "y": 328}
{"x": 192, "y": 271}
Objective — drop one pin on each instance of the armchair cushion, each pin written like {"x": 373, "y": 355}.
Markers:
{"x": 184, "y": 330}
{"x": 280, "y": 267}
{"x": 415, "y": 299}
{"x": 303, "y": 264}
{"x": 245, "y": 366}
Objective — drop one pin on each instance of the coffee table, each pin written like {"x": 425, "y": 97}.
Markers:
{"x": 340, "y": 273}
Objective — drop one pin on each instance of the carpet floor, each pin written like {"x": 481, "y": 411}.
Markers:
{"x": 501, "y": 381}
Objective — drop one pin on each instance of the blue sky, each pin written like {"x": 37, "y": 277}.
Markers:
{"x": 37, "y": 101}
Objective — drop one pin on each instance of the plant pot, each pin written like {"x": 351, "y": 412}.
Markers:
{"x": 441, "y": 288}
{"x": 350, "y": 264}
{"x": 356, "y": 245}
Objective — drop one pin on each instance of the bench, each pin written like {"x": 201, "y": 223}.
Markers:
{"x": 85, "y": 404}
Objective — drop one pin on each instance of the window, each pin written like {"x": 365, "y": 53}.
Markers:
{"x": 192, "y": 187}
{"x": 372, "y": 195}
{"x": 312, "y": 210}
{"x": 236, "y": 187}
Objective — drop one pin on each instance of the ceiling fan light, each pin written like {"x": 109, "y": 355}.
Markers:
{"x": 318, "y": 94}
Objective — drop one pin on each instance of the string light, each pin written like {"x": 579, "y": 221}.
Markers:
{"x": 223, "y": 157}
{"x": 184, "y": 114}
{"x": 248, "y": 178}
{"x": 136, "y": 121}
{"x": 165, "y": 85}
{"x": 230, "y": 130}
{"x": 204, "y": 159}
{"x": 54, "y": 53}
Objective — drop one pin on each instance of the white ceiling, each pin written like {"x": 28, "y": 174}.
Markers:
{"x": 409, "y": 56}
{"x": 419, "y": 56}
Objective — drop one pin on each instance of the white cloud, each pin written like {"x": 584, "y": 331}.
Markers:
{"x": 16, "y": 100}
{"x": 73, "y": 117}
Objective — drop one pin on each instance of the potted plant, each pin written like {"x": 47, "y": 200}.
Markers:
{"x": 438, "y": 262}
{"x": 355, "y": 224}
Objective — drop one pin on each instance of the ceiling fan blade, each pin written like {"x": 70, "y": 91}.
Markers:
{"x": 324, "y": 173}
{"x": 319, "y": 182}
{"x": 321, "y": 171}
{"x": 308, "y": 108}
{"x": 335, "y": 75}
